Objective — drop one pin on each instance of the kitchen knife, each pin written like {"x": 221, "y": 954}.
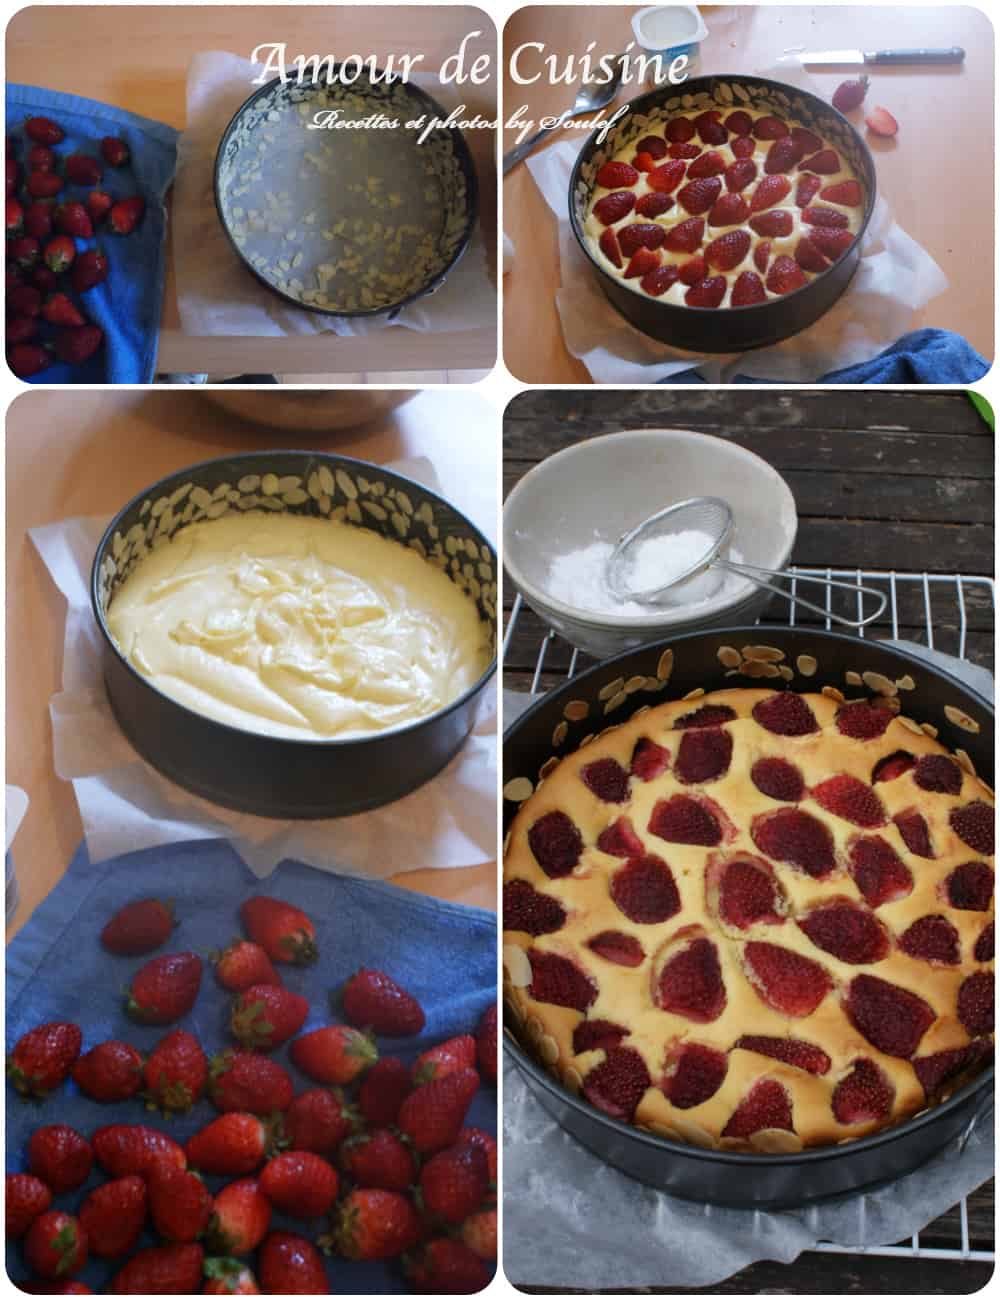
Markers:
{"x": 836, "y": 58}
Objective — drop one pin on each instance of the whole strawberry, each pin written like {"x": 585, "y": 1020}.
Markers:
{"x": 44, "y": 279}
{"x": 850, "y": 94}
{"x": 432, "y": 1116}
{"x": 334, "y": 1054}
{"x": 251, "y": 1082}
{"x": 236, "y": 1143}
{"x": 60, "y": 1156}
{"x": 43, "y": 185}
{"x": 75, "y": 346}
{"x": 114, "y": 1215}
{"x": 379, "y": 1159}
{"x": 25, "y": 250}
{"x": 25, "y": 300}
{"x": 487, "y": 1143}
{"x": 447, "y": 1057}
{"x": 180, "y": 1205}
{"x": 123, "y": 1149}
{"x": 81, "y": 169}
{"x": 224, "y": 1276}
{"x": 60, "y": 309}
{"x": 383, "y": 1090}
{"x": 446, "y": 1267}
{"x": 73, "y": 1287}
{"x": 56, "y": 1245}
{"x": 72, "y": 219}
{"x": 42, "y": 130}
{"x": 41, "y": 159}
{"x": 267, "y": 1015}
{"x": 126, "y": 215}
{"x": 114, "y": 151}
{"x": 43, "y": 1057}
{"x": 15, "y": 216}
{"x": 38, "y": 220}
{"x": 139, "y": 927}
{"x": 374, "y": 1224}
{"x": 161, "y": 1270}
{"x": 319, "y": 1120}
{"x": 479, "y": 1233}
{"x": 98, "y": 204}
{"x": 21, "y": 328}
{"x": 299, "y": 1183}
{"x": 25, "y": 1198}
{"x": 176, "y": 1073}
{"x": 486, "y": 1044}
{"x": 89, "y": 269}
{"x": 371, "y": 1000}
{"x": 290, "y": 1265}
{"x": 242, "y": 965}
{"x": 284, "y": 932}
{"x": 109, "y": 1072}
{"x": 454, "y": 1182}
{"x": 241, "y": 1218}
{"x": 12, "y": 174}
{"x": 27, "y": 359}
{"x": 165, "y": 989}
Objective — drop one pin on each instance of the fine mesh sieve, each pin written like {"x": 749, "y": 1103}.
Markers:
{"x": 714, "y": 517}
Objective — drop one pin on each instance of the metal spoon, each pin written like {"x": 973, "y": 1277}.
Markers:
{"x": 590, "y": 98}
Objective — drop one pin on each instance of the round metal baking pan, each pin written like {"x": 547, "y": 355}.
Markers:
{"x": 422, "y": 104}
{"x": 277, "y": 776}
{"x": 725, "y": 1177}
{"x": 730, "y": 329}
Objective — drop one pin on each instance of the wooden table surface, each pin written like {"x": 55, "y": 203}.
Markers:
{"x": 86, "y": 453}
{"x": 136, "y": 57}
{"x": 916, "y": 172}
{"x": 881, "y": 479}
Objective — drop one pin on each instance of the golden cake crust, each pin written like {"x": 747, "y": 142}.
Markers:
{"x": 626, "y": 995}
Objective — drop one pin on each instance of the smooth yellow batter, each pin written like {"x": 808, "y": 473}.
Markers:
{"x": 298, "y": 627}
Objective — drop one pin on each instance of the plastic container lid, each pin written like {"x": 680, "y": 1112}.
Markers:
{"x": 668, "y": 27}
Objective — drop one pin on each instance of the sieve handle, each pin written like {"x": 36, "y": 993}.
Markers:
{"x": 752, "y": 572}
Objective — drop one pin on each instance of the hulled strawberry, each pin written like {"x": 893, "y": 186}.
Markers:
{"x": 371, "y": 1000}
{"x": 165, "y": 989}
{"x": 320, "y": 1119}
{"x": 291, "y": 1265}
{"x": 72, "y": 219}
{"x": 300, "y": 1183}
{"x": 25, "y": 1198}
{"x": 114, "y": 151}
{"x": 42, "y": 130}
{"x": 114, "y": 1215}
{"x": 124, "y": 1149}
{"x": 89, "y": 269}
{"x": 432, "y": 1116}
{"x": 140, "y": 927}
{"x": 77, "y": 345}
{"x": 379, "y": 1159}
{"x": 161, "y": 1270}
{"x": 60, "y": 1156}
{"x": 234, "y": 1144}
{"x": 126, "y": 214}
{"x": 445, "y": 1266}
{"x": 180, "y": 1204}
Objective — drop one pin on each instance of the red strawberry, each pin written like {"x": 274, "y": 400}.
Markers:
{"x": 692, "y": 271}
{"x": 796, "y": 837}
{"x": 645, "y": 891}
{"x": 242, "y": 1216}
{"x": 618, "y": 1084}
{"x": 748, "y": 893}
{"x": 180, "y": 1205}
{"x": 932, "y": 939}
{"x": 827, "y": 218}
{"x": 44, "y": 279}
{"x": 654, "y": 145}
{"x": 914, "y": 832}
{"x": 648, "y": 761}
{"x": 486, "y": 1043}
{"x": 690, "y": 982}
{"x": 81, "y": 169}
{"x": 614, "y": 206}
{"x": 824, "y": 163}
{"x": 863, "y": 1095}
{"x": 878, "y": 871}
{"x": 684, "y": 152}
{"x": 729, "y": 210}
{"x": 644, "y": 260}
{"x": 72, "y": 219}
{"x": 15, "y": 216}
{"x": 697, "y": 196}
{"x": 853, "y": 800}
{"x": 783, "y": 155}
{"x": 785, "y": 275}
{"x": 785, "y": 980}
{"x": 793, "y": 1051}
{"x": 125, "y": 1149}
{"x": 242, "y": 965}
{"x": 686, "y": 236}
{"x": 769, "y": 128}
{"x": 478, "y": 1137}
{"x": 114, "y": 1215}
{"x": 446, "y": 1267}
{"x": 850, "y": 94}
{"x": 743, "y": 148}
{"x": 25, "y": 1198}
{"x": 849, "y": 932}
{"x": 938, "y": 773}
{"x": 710, "y": 128}
{"x": 747, "y": 290}
{"x": 25, "y": 300}
{"x": 973, "y": 824}
{"x": 739, "y": 122}
{"x": 683, "y": 819}
{"x": 12, "y": 173}
{"x": 863, "y": 720}
{"x": 607, "y": 778}
{"x": 374, "y": 1001}
{"x": 290, "y": 1265}
{"x": 631, "y": 238}
{"x": 680, "y": 129}
{"x": 43, "y": 185}
{"x": 975, "y": 1003}
{"x": 939, "y": 1068}
{"x": 383, "y": 1090}
{"x": 832, "y": 243}
{"x": 892, "y": 1019}
{"x": 622, "y": 949}
{"x": 38, "y": 221}
{"x": 970, "y": 887}
{"x": 24, "y": 250}
{"x": 644, "y": 162}
{"x": 250, "y": 1082}
{"x": 320, "y": 1119}
{"x": 608, "y": 243}
{"x": 556, "y": 843}
{"x": 115, "y": 152}
{"x": 284, "y": 932}
{"x": 20, "y": 329}
{"x": 334, "y": 1054}
{"x": 59, "y": 309}
{"x": 266, "y": 1015}
{"x": 479, "y": 1233}
{"x": 454, "y": 1182}
{"x": 43, "y": 1057}
{"x": 89, "y": 269}
{"x": 56, "y": 1245}
{"x": 175, "y": 1074}
{"x": 726, "y": 252}
{"x": 808, "y": 255}
{"x": 432, "y": 1115}
{"x": 618, "y": 839}
{"x": 27, "y": 359}
{"x": 771, "y": 190}
{"x": 707, "y": 293}
{"x": 707, "y": 164}
{"x": 41, "y": 159}
{"x": 809, "y": 140}
{"x": 300, "y": 1183}
{"x": 766, "y": 1105}
{"x": 777, "y": 223}
{"x": 43, "y": 130}
{"x": 617, "y": 175}
{"x": 806, "y": 189}
{"x": 228, "y": 1277}
{"x": 379, "y": 1159}
{"x": 98, "y": 204}
{"x": 881, "y": 122}
{"x": 161, "y": 1270}
{"x": 75, "y": 346}
{"x": 778, "y": 779}
{"x": 560, "y": 981}
{"x": 109, "y": 1072}
{"x": 693, "y": 1073}
{"x": 847, "y": 193}
{"x": 740, "y": 174}
{"x": 126, "y": 215}
{"x": 761, "y": 256}
{"x": 375, "y": 1224}
{"x": 234, "y": 1144}
{"x": 447, "y": 1057}
{"x": 165, "y": 989}
{"x": 138, "y": 928}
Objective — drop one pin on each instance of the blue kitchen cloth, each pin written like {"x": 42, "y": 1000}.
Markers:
{"x": 127, "y": 306}
{"x": 443, "y": 953}
{"x": 926, "y": 356}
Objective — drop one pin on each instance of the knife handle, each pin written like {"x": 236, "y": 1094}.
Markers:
{"x": 954, "y": 55}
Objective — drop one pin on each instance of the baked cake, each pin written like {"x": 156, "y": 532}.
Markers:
{"x": 723, "y": 209}
{"x": 755, "y": 920}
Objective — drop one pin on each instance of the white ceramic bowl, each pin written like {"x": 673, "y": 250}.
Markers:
{"x": 599, "y": 488}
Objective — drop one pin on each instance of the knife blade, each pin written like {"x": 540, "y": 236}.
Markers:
{"x": 857, "y": 58}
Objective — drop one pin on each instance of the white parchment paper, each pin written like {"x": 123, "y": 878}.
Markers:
{"x": 125, "y": 804}
{"x": 216, "y": 294}
{"x": 895, "y": 278}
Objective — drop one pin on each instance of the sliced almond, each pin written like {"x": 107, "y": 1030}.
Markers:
{"x": 879, "y": 683}
{"x": 852, "y": 678}
{"x": 635, "y": 684}
{"x": 906, "y": 683}
{"x": 929, "y": 729}
{"x": 548, "y": 1049}
{"x": 759, "y": 668}
{"x": 775, "y": 1141}
{"x": 728, "y": 656}
{"x": 696, "y": 694}
{"x": 767, "y": 654}
{"x": 665, "y": 666}
{"x": 560, "y": 733}
{"x": 517, "y": 966}
{"x": 534, "y": 1029}
{"x": 961, "y": 719}
{"x": 806, "y": 665}
{"x": 548, "y": 766}
{"x": 786, "y": 672}
{"x": 964, "y": 761}
{"x": 911, "y": 725}
{"x": 572, "y": 1078}
{"x": 615, "y": 702}
{"x": 586, "y": 740}
{"x": 576, "y": 710}
{"x": 832, "y": 693}
{"x": 692, "y": 1132}
{"x": 518, "y": 789}
{"x": 612, "y": 688}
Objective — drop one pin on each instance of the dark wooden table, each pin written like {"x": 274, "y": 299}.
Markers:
{"x": 882, "y": 480}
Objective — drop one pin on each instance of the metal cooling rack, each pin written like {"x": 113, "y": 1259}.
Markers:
{"x": 942, "y": 599}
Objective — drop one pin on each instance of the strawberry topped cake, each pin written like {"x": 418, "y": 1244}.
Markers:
{"x": 756, "y": 920}
{"x": 723, "y": 208}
